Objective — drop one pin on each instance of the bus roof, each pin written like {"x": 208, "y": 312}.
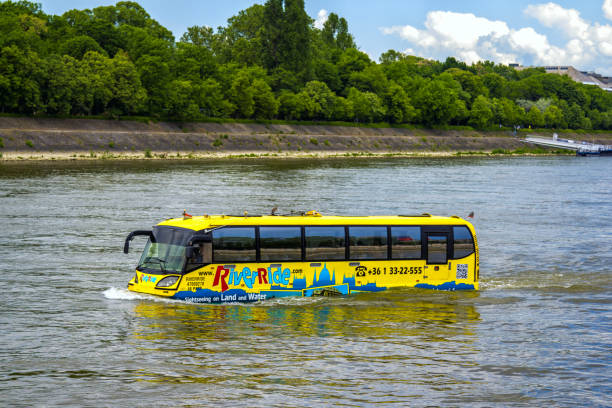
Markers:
{"x": 198, "y": 223}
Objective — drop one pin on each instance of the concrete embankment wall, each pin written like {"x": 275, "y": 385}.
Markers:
{"x": 33, "y": 136}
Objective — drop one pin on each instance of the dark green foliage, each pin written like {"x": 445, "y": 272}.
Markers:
{"x": 335, "y": 33}
{"x": 267, "y": 63}
{"x": 78, "y": 46}
{"x": 272, "y": 33}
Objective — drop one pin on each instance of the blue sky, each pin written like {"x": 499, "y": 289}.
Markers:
{"x": 573, "y": 32}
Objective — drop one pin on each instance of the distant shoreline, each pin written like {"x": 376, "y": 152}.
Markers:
{"x": 141, "y": 156}
{"x": 87, "y": 139}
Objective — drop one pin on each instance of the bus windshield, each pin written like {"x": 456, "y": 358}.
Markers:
{"x": 165, "y": 251}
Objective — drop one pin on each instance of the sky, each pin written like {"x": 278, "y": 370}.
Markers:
{"x": 572, "y": 32}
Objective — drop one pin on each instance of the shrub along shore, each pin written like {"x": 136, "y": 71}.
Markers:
{"x": 74, "y": 139}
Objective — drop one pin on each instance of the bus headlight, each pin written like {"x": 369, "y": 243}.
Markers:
{"x": 167, "y": 282}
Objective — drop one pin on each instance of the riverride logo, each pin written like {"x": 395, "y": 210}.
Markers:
{"x": 274, "y": 274}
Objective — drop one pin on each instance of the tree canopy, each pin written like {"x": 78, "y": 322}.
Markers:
{"x": 268, "y": 62}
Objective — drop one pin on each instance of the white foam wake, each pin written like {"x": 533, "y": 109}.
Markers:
{"x": 121, "y": 294}
{"x": 124, "y": 294}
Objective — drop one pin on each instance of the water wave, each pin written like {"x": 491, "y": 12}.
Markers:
{"x": 544, "y": 281}
{"x": 124, "y": 294}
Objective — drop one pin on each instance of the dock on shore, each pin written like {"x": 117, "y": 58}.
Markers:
{"x": 581, "y": 148}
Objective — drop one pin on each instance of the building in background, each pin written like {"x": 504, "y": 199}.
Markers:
{"x": 584, "y": 77}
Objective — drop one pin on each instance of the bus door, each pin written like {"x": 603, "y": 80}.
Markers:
{"x": 436, "y": 246}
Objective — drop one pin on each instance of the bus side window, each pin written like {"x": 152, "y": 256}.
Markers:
{"x": 368, "y": 242}
{"x": 280, "y": 243}
{"x": 325, "y": 243}
{"x": 234, "y": 244}
{"x": 201, "y": 255}
{"x": 463, "y": 242}
{"x": 406, "y": 242}
{"x": 437, "y": 246}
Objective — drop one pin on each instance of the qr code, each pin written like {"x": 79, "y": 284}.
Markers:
{"x": 462, "y": 271}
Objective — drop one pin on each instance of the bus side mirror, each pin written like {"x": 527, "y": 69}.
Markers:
{"x": 131, "y": 235}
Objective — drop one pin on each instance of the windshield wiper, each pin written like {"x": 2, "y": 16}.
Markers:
{"x": 153, "y": 259}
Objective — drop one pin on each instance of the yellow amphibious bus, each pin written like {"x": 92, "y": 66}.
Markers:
{"x": 225, "y": 258}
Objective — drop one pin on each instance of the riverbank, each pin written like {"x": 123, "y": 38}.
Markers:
{"x": 85, "y": 139}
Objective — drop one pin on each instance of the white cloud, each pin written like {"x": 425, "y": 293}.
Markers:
{"x": 322, "y": 17}
{"x": 473, "y": 38}
{"x": 607, "y": 9}
{"x": 463, "y": 29}
{"x": 603, "y": 37}
{"x": 528, "y": 40}
{"x": 554, "y": 16}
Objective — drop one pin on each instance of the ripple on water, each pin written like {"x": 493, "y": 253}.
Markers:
{"x": 537, "y": 334}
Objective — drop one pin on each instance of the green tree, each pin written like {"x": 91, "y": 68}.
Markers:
{"x": 352, "y": 61}
{"x": 106, "y": 34}
{"x": 193, "y": 62}
{"x": 437, "y": 102}
{"x": 367, "y": 106}
{"x": 397, "y": 103}
{"x": 78, "y": 46}
{"x": 98, "y": 69}
{"x": 372, "y": 79}
{"x": 461, "y": 113}
{"x": 266, "y": 105}
{"x": 295, "y": 48}
{"x": 22, "y": 27}
{"x": 128, "y": 95}
{"x": 241, "y": 94}
{"x": 543, "y": 103}
{"x": 327, "y": 72}
{"x": 470, "y": 83}
{"x": 212, "y": 102}
{"x": 595, "y": 117}
{"x": 534, "y": 117}
{"x": 343, "y": 109}
{"x": 291, "y": 106}
{"x": 21, "y": 72}
{"x": 283, "y": 79}
{"x": 336, "y": 34}
{"x": 481, "y": 113}
{"x": 318, "y": 100}
{"x": 67, "y": 88}
{"x": 181, "y": 101}
{"x": 155, "y": 77}
{"x": 553, "y": 117}
{"x": 506, "y": 112}
{"x": 272, "y": 33}
{"x": 138, "y": 42}
{"x": 496, "y": 84}
{"x": 59, "y": 85}
{"x": 267, "y": 61}
{"x": 200, "y": 36}
{"x": 240, "y": 41}
{"x": 574, "y": 116}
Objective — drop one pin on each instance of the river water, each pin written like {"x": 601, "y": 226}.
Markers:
{"x": 538, "y": 333}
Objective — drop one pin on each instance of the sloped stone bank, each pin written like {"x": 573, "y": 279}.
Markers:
{"x": 84, "y": 138}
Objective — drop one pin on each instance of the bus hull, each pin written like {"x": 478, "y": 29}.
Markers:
{"x": 251, "y": 282}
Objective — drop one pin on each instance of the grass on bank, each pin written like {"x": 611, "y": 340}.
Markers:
{"x": 152, "y": 119}
{"x": 527, "y": 151}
